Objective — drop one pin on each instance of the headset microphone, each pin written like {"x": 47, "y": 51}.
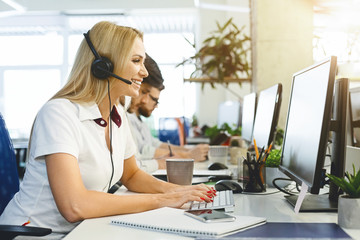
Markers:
{"x": 102, "y": 67}
{"x": 115, "y": 76}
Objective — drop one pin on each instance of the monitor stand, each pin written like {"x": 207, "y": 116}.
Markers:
{"x": 314, "y": 203}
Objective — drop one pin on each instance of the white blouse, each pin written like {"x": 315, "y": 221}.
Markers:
{"x": 62, "y": 126}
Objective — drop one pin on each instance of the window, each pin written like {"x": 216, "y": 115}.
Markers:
{"x": 336, "y": 30}
{"x": 31, "y": 50}
{"x": 30, "y": 74}
{"x": 35, "y": 62}
{"x": 177, "y": 99}
{"x": 26, "y": 92}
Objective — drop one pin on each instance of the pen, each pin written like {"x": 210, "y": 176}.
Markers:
{"x": 24, "y": 224}
{"x": 260, "y": 155}
{"x": 256, "y": 149}
{"x": 171, "y": 154}
{"x": 269, "y": 148}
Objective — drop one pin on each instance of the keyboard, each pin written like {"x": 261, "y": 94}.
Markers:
{"x": 222, "y": 200}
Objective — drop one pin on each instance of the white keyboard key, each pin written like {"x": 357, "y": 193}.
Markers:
{"x": 222, "y": 200}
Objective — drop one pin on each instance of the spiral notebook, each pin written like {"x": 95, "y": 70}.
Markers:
{"x": 171, "y": 220}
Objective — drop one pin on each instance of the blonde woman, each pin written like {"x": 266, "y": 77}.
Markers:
{"x": 76, "y": 155}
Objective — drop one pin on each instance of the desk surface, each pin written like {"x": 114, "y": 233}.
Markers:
{"x": 272, "y": 206}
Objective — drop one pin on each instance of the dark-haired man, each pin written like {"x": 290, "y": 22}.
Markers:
{"x": 151, "y": 151}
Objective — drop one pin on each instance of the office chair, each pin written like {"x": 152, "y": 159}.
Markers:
{"x": 9, "y": 180}
{"x": 175, "y": 130}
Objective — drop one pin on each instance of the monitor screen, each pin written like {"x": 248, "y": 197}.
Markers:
{"x": 248, "y": 116}
{"x": 267, "y": 114}
{"x": 229, "y": 112}
{"x": 308, "y": 122}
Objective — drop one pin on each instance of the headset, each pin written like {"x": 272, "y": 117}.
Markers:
{"x": 102, "y": 67}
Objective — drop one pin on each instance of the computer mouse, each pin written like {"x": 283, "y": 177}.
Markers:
{"x": 217, "y": 166}
{"x": 223, "y": 185}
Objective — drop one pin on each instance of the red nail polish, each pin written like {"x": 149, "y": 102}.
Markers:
{"x": 202, "y": 199}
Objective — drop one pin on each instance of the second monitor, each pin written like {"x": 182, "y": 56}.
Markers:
{"x": 267, "y": 115}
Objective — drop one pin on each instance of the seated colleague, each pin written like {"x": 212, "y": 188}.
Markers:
{"x": 77, "y": 153}
{"x": 143, "y": 105}
{"x": 140, "y": 131}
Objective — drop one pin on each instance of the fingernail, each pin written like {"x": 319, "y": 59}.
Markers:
{"x": 202, "y": 199}
{"x": 209, "y": 196}
{"x": 209, "y": 191}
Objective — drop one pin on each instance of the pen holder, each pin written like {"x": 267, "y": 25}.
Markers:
{"x": 254, "y": 176}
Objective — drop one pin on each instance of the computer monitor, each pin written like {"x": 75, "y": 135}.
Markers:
{"x": 306, "y": 135}
{"x": 267, "y": 115}
{"x": 248, "y": 116}
{"x": 229, "y": 112}
{"x": 354, "y": 116}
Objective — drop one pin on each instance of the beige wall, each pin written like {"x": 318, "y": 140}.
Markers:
{"x": 282, "y": 33}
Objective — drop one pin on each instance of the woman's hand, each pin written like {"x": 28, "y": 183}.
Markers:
{"x": 179, "y": 195}
{"x": 198, "y": 187}
{"x": 185, "y": 194}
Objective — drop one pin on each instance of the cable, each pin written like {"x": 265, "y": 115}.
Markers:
{"x": 110, "y": 137}
{"x": 279, "y": 188}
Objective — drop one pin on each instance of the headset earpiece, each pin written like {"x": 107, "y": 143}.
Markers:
{"x": 101, "y": 67}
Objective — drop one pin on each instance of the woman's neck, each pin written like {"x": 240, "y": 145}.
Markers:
{"x": 104, "y": 107}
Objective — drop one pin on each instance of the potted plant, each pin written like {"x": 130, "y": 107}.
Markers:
{"x": 279, "y": 136}
{"x": 228, "y": 136}
{"x": 226, "y": 53}
{"x": 349, "y": 203}
{"x": 223, "y": 132}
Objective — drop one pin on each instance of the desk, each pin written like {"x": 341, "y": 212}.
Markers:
{"x": 273, "y": 207}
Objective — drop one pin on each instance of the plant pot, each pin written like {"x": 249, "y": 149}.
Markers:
{"x": 348, "y": 212}
{"x": 272, "y": 173}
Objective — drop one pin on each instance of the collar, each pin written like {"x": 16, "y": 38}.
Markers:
{"x": 91, "y": 112}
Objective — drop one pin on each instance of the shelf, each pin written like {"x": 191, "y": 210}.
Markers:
{"x": 211, "y": 80}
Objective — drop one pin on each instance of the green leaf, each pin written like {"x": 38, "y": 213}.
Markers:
{"x": 350, "y": 188}
{"x": 357, "y": 193}
{"x": 274, "y": 158}
{"x": 228, "y": 49}
{"x": 356, "y": 180}
{"x": 338, "y": 182}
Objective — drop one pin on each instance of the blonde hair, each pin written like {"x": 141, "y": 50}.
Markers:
{"x": 110, "y": 40}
